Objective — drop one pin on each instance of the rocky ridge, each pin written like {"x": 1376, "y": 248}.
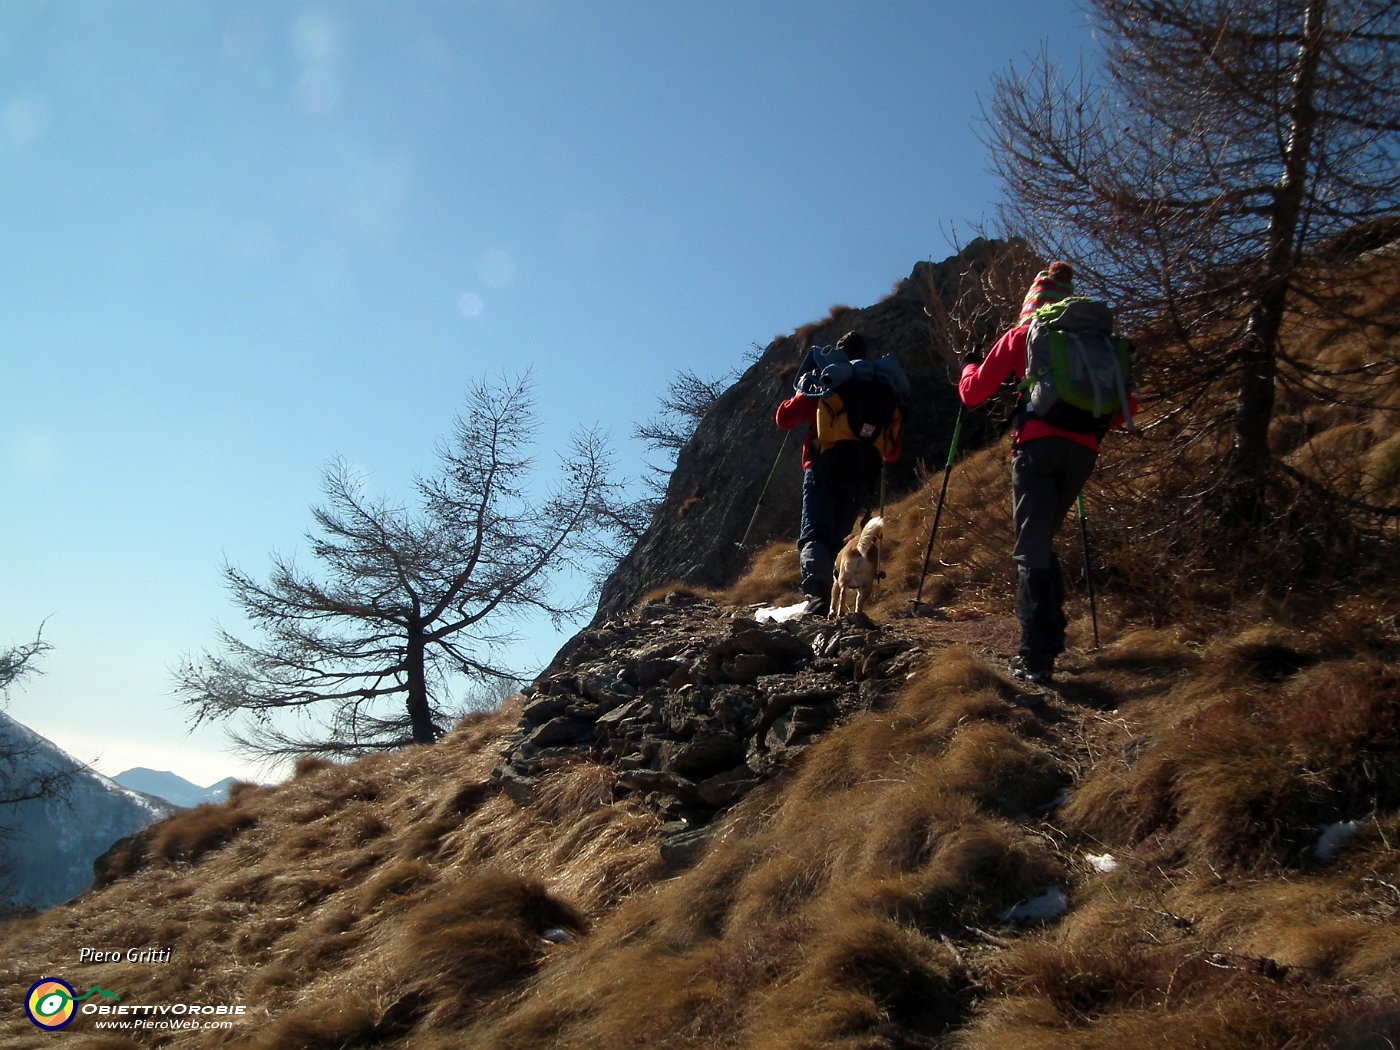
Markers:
{"x": 737, "y": 482}
{"x": 696, "y": 705}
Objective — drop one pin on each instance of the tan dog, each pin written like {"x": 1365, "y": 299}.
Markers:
{"x": 857, "y": 567}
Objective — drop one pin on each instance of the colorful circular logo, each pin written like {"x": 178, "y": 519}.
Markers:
{"x": 50, "y": 1003}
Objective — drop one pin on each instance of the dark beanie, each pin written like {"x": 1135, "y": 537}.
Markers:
{"x": 852, "y": 344}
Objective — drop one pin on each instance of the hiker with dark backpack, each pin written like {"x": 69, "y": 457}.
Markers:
{"x": 854, "y": 411}
{"x": 1075, "y": 377}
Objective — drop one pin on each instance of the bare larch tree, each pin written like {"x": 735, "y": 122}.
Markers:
{"x": 401, "y": 600}
{"x": 19, "y": 782}
{"x": 1192, "y": 179}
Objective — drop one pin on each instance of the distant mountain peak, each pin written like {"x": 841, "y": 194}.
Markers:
{"x": 173, "y": 788}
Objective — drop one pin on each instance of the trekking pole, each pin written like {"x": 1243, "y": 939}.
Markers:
{"x": 1088, "y": 574}
{"x": 754, "y": 517}
{"x": 938, "y": 512}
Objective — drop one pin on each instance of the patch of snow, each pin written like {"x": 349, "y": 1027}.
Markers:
{"x": 1050, "y": 903}
{"x": 1104, "y": 862}
{"x": 1333, "y": 838}
{"x": 780, "y": 614}
{"x": 149, "y": 804}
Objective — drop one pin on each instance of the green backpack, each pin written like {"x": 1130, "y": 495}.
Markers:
{"x": 1078, "y": 372}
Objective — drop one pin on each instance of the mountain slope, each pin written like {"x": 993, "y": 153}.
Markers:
{"x": 50, "y": 843}
{"x": 899, "y": 883}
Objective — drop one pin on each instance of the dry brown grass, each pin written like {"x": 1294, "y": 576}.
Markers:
{"x": 1158, "y": 997}
{"x": 869, "y": 982}
{"x": 838, "y": 908}
{"x": 1242, "y": 763}
{"x": 187, "y": 836}
{"x": 772, "y": 576}
{"x": 708, "y": 959}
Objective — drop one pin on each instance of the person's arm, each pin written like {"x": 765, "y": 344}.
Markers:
{"x": 795, "y": 411}
{"x": 980, "y": 381}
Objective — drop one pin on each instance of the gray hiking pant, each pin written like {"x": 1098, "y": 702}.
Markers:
{"x": 1047, "y": 475}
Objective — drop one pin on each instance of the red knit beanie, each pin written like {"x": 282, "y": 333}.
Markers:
{"x": 1052, "y": 284}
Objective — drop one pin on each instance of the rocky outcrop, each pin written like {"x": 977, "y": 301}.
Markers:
{"x": 695, "y": 705}
{"x": 717, "y": 510}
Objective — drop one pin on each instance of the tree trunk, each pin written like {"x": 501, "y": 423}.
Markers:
{"x": 420, "y": 715}
{"x": 1250, "y": 458}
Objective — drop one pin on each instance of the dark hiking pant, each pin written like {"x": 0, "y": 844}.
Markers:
{"x": 835, "y": 489}
{"x": 1046, "y": 477}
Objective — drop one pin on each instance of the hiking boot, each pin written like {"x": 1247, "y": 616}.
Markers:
{"x": 1033, "y": 675}
{"x": 816, "y": 606}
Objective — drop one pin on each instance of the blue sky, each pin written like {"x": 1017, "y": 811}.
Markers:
{"x": 240, "y": 238}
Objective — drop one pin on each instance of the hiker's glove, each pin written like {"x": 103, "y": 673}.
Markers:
{"x": 973, "y": 355}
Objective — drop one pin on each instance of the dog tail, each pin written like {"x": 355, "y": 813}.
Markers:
{"x": 870, "y": 535}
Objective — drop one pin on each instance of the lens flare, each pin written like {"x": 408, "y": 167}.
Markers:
{"x": 470, "y": 305}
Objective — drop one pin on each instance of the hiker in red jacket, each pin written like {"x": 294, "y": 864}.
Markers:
{"x": 1049, "y": 466}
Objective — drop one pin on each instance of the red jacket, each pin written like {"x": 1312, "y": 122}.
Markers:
{"x": 1008, "y": 357}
